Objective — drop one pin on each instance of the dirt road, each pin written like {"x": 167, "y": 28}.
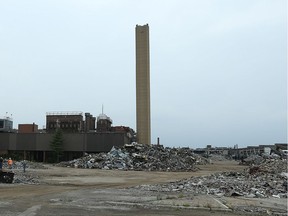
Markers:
{"x": 70, "y": 191}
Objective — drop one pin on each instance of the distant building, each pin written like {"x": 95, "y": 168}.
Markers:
{"x": 28, "y": 128}
{"x": 103, "y": 123}
{"x": 281, "y": 146}
{"x": 80, "y": 136}
{"x": 127, "y": 130}
{"x": 6, "y": 124}
{"x": 89, "y": 125}
{"x": 212, "y": 150}
{"x": 66, "y": 121}
{"x": 69, "y": 122}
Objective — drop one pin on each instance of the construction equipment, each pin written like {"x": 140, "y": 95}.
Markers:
{"x": 6, "y": 177}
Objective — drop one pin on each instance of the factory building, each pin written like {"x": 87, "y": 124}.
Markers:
{"x": 80, "y": 136}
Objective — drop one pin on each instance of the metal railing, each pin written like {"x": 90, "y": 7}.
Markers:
{"x": 64, "y": 113}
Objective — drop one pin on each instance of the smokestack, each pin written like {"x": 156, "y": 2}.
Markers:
{"x": 143, "y": 84}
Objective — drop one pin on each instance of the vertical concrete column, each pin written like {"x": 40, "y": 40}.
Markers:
{"x": 44, "y": 156}
{"x": 143, "y": 84}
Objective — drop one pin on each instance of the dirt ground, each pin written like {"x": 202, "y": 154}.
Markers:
{"x": 72, "y": 191}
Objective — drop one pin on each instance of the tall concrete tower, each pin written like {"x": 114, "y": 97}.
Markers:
{"x": 143, "y": 84}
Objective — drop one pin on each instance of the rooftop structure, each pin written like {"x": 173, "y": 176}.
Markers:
{"x": 6, "y": 124}
{"x": 66, "y": 121}
{"x": 104, "y": 123}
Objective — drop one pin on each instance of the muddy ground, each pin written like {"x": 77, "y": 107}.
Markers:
{"x": 71, "y": 191}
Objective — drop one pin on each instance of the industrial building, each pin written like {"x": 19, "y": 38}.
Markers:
{"x": 69, "y": 122}
{"x": 80, "y": 136}
{"x": 244, "y": 152}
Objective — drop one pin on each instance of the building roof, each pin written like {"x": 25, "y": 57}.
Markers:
{"x": 64, "y": 113}
{"x": 102, "y": 116}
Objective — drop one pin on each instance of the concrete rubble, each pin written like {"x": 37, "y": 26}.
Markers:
{"x": 22, "y": 177}
{"x": 257, "y": 159}
{"x": 140, "y": 157}
{"x": 268, "y": 179}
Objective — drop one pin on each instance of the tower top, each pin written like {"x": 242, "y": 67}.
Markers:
{"x": 142, "y": 25}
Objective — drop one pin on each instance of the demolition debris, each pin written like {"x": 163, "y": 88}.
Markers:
{"x": 140, "y": 157}
{"x": 268, "y": 179}
{"x": 264, "y": 176}
{"x": 21, "y": 177}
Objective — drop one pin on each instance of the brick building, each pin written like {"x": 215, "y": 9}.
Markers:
{"x": 28, "y": 128}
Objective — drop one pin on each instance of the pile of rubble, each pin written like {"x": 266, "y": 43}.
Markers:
{"x": 269, "y": 179}
{"x": 257, "y": 159}
{"x": 140, "y": 157}
{"x": 218, "y": 157}
{"x": 22, "y": 177}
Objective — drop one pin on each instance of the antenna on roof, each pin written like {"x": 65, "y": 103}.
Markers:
{"x": 102, "y": 108}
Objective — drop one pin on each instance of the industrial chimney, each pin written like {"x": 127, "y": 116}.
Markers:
{"x": 143, "y": 85}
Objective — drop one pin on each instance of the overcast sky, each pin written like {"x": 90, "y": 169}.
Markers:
{"x": 218, "y": 67}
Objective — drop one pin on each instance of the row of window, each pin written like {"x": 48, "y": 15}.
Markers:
{"x": 6, "y": 124}
{"x": 64, "y": 125}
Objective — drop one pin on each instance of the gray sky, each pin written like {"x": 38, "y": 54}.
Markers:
{"x": 218, "y": 67}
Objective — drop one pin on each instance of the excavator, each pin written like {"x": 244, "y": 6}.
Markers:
{"x": 6, "y": 176}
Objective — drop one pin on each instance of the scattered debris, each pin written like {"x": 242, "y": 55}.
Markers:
{"x": 268, "y": 179}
